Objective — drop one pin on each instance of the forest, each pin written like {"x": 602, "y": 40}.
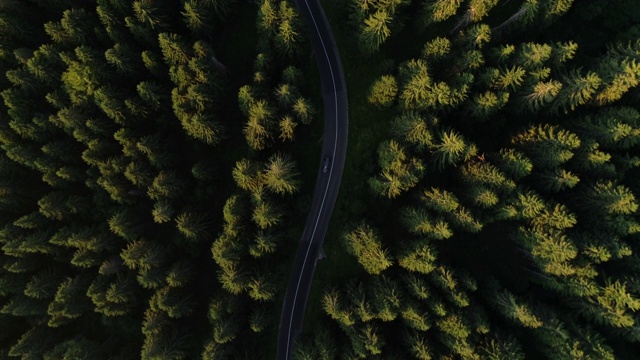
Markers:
{"x": 158, "y": 162}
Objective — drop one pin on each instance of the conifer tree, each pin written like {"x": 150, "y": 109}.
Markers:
{"x": 360, "y": 301}
{"x": 334, "y": 306}
{"x": 69, "y": 302}
{"x": 258, "y": 319}
{"x": 485, "y": 104}
{"x": 34, "y": 342}
{"x": 611, "y": 199}
{"x": 613, "y": 128}
{"x": 233, "y": 279}
{"x": 418, "y": 345}
{"x": 174, "y": 49}
{"x": 122, "y": 58}
{"x": 258, "y": 127}
{"x": 411, "y": 127}
{"x": 43, "y": 285}
{"x": 437, "y": 48}
{"x": 502, "y": 348}
{"x": 115, "y": 298}
{"x": 449, "y": 149}
{"x": 364, "y": 243}
{"x": 577, "y": 90}
{"x": 542, "y": 94}
{"x": 287, "y": 38}
{"x": 303, "y": 110}
{"x": 557, "y": 180}
{"x": 280, "y": 176}
{"x": 521, "y": 313}
{"x": 399, "y": 172}
{"x": 383, "y": 91}
{"x": 261, "y": 287}
{"x": 148, "y": 14}
{"x": 287, "y": 127}
{"x": 192, "y": 225}
{"x": 439, "y": 10}
{"x": 197, "y": 16}
{"x": 375, "y": 31}
{"x": 611, "y": 306}
{"x": 144, "y": 255}
{"x": 548, "y": 145}
{"x": 419, "y": 258}
{"x": 266, "y": 214}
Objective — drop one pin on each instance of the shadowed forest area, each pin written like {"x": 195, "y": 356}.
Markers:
{"x": 158, "y": 162}
{"x": 500, "y": 219}
{"x": 149, "y": 176}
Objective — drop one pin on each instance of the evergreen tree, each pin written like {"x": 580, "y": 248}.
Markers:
{"x": 287, "y": 38}
{"x": 148, "y": 14}
{"x": 280, "y": 175}
{"x": 144, "y": 255}
{"x": 375, "y": 32}
{"x": 78, "y": 348}
{"x": 399, "y": 172}
{"x": 43, "y": 285}
{"x": 192, "y": 225}
{"x": 411, "y": 127}
{"x": 334, "y": 306}
{"x": 233, "y": 280}
{"x": 513, "y": 163}
{"x": 485, "y": 104}
{"x": 439, "y": 10}
{"x": 542, "y": 94}
{"x": 258, "y": 319}
{"x": 509, "y": 79}
{"x": 548, "y": 145}
{"x": 618, "y": 78}
{"x": 287, "y": 127}
{"x": 611, "y": 306}
{"x": 122, "y": 58}
{"x": 115, "y": 298}
{"x": 197, "y": 15}
{"x": 557, "y": 180}
{"x": 577, "y": 90}
{"x": 266, "y": 214}
{"x": 437, "y": 48}
{"x": 303, "y": 110}
{"x": 611, "y": 199}
{"x": 521, "y": 313}
{"x": 383, "y": 91}
{"x": 420, "y": 258}
{"x": 449, "y": 149}
{"x": 176, "y": 302}
{"x": 69, "y": 302}
{"x": 502, "y": 348}
{"x": 261, "y": 287}
{"x": 364, "y": 243}
{"x": 258, "y": 127}
{"x": 34, "y": 342}
{"x": 613, "y": 128}
{"x": 418, "y": 346}
{"x": 174, "y": 49}
{"x": 166, "y": 185}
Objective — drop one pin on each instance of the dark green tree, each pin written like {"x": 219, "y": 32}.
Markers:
{"x": 363, "y": 242}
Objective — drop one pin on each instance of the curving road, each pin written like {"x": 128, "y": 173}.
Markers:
{"x": 334, "y": 147}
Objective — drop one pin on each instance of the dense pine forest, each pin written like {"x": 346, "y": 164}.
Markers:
{"x": 148, "y": 176}
{"x": 159, "y": 157}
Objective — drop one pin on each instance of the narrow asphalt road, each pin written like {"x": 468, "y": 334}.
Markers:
{"x": 334, "y": 148}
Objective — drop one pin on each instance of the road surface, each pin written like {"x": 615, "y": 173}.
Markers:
{"x": 334, "y": 147}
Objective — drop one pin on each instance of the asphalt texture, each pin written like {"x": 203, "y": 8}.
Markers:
{"x": 334, "y": 147}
